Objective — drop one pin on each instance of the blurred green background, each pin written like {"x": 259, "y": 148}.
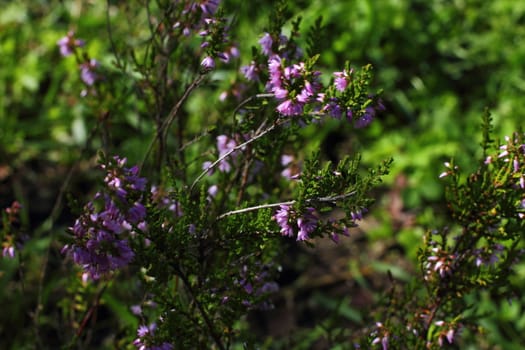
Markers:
{"x": 439, "y": 64}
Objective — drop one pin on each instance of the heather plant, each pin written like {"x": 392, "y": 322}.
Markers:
{"x": 199, "y": 223}
{"x": 185, "y": 234}
{"x": 478, "y": 252}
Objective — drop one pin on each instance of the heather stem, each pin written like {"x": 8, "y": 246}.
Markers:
{"x": 292, "y": 202}
{"x": 236, "y": 148}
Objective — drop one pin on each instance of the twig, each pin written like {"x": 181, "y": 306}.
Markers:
{"x": 162, "y": 133}
{"x": 330, "y": 199}
{"x": 249, "y": 99}
{"x": 236, "y": 148}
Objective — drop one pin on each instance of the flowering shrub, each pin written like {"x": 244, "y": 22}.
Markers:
{"x": 202, "y": 242}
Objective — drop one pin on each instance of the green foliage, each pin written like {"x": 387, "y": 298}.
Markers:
{"x": 157, "y": 106}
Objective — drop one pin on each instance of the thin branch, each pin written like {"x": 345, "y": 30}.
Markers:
{"x": 110, "y": 36}
{"x": 162, "y": 133}
{"x": 236, "y": 148}
{"x": 249, "y": 99}
{"x": 216, "y": 337}
{"x": 329, "y": 199}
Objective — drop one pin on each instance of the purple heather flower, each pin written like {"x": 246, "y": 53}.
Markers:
{"x": 224, "y": 56}
{"x": 381, "y": 336}
{"x": 342, "y": 79}
{"x": 307, "y": 224}
{"x": 366, "y": 118}
{"x": 88, "y": 72}
{"x": 145, "y": 339}
{"x": 450, "y": 336}
{"x": 489, "y": 257}
{"x": 213, "y": 190}
{"x": 307, "y": 93}
{"x": 440, "y": 263}
{"x": 358, "y": 214}
{"x": 224, "y": 146}
{"x": 275, "y": 70}
{"x": 136, "y": 310}
{"x": 68, "y": 44}
{"x": 100, "y": 245}
{"x": 163, "y": 200}
{"x": 208, "y": 63}
{"x": 282, "y": 216}
{"x": 266, "y": 44}
{"x": 209, "y": 7}
{"x": 136, "y": 213}
{"x": 8, "y": 251}
{"x": 290, "y": 172}
{"x": 280, "y": 93}
{"x": 290, "y": 108}
{"x": 206, "y": 165}
{"x": 293, "y": 84}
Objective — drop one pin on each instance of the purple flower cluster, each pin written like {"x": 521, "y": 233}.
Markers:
{"x": 489, "y": 257}
{"x": 298, "y": 88}
{"x": 294, "y": 86}
{"x": 446, "y": 331}
{"x": 440, "y": 262}
{"x": 380, "y": 336}
{"x": 291, "y": 222}
{"x": 88, "y": 72}
{"x": 146, "y": 341}
{"x": 251, "y": 72}
{"x": 200, "y": 18}
{"x": 218, "y": 44}
{"x": 101, "y": 233}
{"x": 195, "y": 14}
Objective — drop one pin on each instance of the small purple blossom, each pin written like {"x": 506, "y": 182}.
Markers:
{"x": 10, "y": 217}
{"x": 290, "y": 108}
{"x": 88, "y": 72}
{"x": 381, "y": 336}
{"x": 209, "y": 7}
{"x": 208, "y": 63}
{"x": 8, "y": 251}
{"x": 68, "y": 44}
{"x": 441, "y": 263}
{"x": 306, "y": 224}
{"x": 266, "y": 44}
{"x": 342, "y": 79}
{"x": 290, "y": 222}
{"x": 146, "y": 340}
{"x": 136, "y": 310}
{"x": 291, "y": 171}
{"x": 366, "y": 118}
{"x": 163, "y": 200}
{"x": 282, "y": 217}
{"x": 225, "y": 145}
{"x": 489, "y": 257}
